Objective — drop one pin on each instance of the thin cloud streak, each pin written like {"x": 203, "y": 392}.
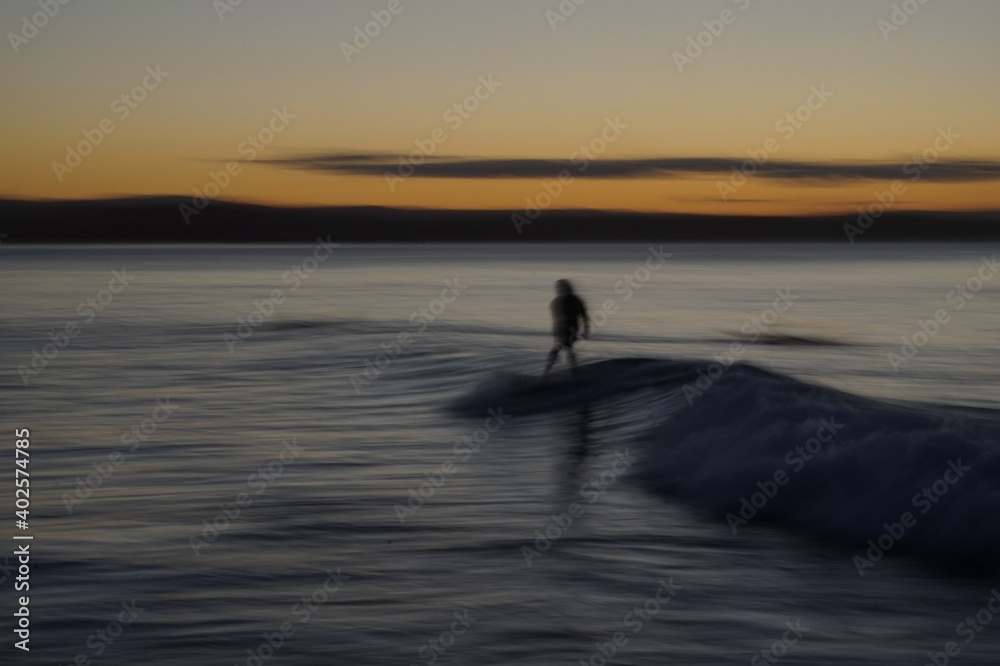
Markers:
{"x": 381, "y": 164}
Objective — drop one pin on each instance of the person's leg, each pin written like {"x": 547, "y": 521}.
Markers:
{"x": 553, "y": 357}
{"x": 572, "y": 360}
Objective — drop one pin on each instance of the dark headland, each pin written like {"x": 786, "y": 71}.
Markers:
{"x": 161, "y": 220}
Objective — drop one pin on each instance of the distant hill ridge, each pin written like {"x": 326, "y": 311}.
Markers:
{"x": 160, "y": 220}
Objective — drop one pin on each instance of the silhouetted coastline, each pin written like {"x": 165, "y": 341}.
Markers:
{"x": 159, "y": 220}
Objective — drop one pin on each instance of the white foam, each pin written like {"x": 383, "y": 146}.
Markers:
{"x": 746, "y": 426}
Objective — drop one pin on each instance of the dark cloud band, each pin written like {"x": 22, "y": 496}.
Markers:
{"x": 375, "y": 164}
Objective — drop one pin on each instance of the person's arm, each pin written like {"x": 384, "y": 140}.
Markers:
{"x": 586, "y": 320}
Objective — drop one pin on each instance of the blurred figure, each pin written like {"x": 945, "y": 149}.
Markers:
{"x": 568, "y": 313}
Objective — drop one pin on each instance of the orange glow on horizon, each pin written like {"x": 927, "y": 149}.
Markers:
{"x": 690, "y": 195}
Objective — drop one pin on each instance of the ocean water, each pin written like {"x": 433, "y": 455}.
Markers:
{"x": 278, "y": 455}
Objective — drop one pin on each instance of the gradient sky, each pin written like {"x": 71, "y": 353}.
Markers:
{"x": 610, "y": 59}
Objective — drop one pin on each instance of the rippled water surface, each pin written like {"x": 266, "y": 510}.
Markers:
{"x": 313, "y": 486}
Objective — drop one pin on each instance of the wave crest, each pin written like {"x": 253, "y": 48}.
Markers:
{"x": 752, "y": 446}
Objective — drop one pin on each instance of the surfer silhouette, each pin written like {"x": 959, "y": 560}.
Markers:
{"x": 569, "y": 315}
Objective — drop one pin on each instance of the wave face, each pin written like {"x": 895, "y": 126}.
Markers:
{"x": 755, "y": 447}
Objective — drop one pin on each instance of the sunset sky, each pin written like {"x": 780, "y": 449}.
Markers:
{"x": 882, "y": 94}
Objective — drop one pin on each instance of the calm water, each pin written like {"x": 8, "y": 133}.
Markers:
{"x": 327, "y": 555}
